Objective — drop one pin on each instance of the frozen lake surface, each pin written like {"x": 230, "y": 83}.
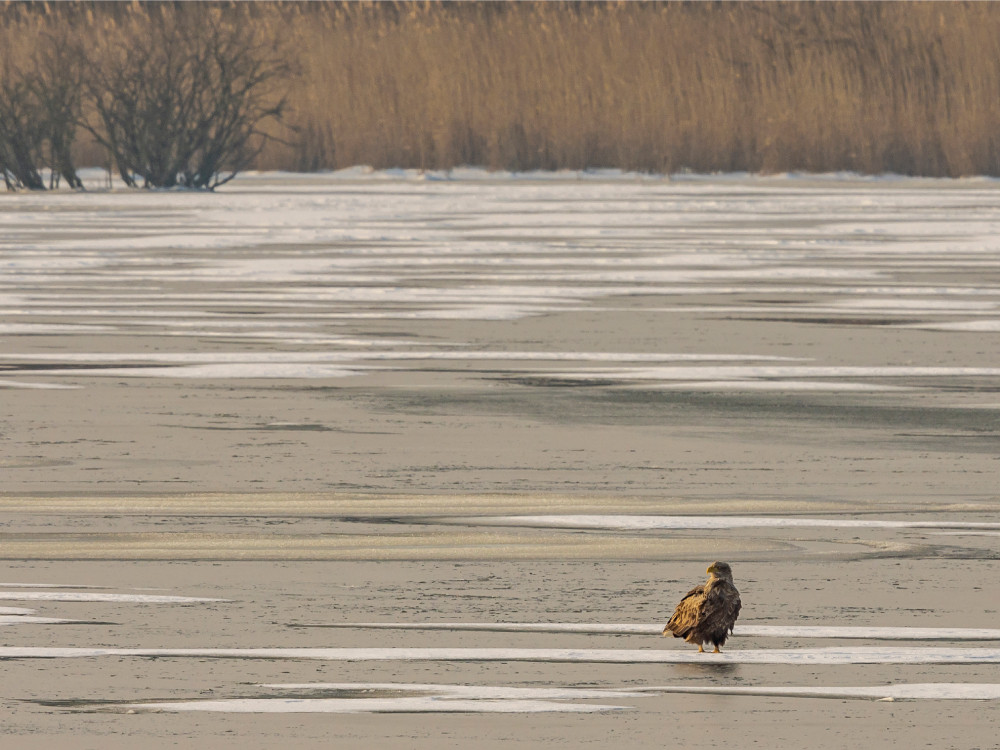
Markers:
{"x": 426, "y": 460}
{"x": 290, "y": 318}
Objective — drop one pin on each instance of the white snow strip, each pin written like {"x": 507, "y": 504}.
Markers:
{"x": 428, "y": 698}
{"x": 773, "y": 385}
{"x": 929, "y": 690}
{"x": 35, "y": 386}
{"x": 49, "y": 586}
{"x": 832, "y": 655}
{"x": 974, "y": 326}
{"x": 472, "y": 692}
{"x": 230, "y": 370}
{"x": 758, "y": 631}
{"x": 15, "y": 611}
{"x": 369, "y": 354}
{"x": 743, "y": 372}
{"x": 39, "y": 328}
{"x": 645, "y": 523}
{"x": 476, "y": 699}
{"x": 910, "y": 691}
{"x": 421, "y": 705}
{"x": 29, "y": 620}
{"x": 74, "y": 596}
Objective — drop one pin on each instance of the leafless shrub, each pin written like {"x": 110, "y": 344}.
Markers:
{"x": 20, "y": 138}
{"x": 181, "y": 94}
{"x": 39, "y": 110}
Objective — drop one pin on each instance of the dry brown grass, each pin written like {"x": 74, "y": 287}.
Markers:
{"x": 905, "y": 87}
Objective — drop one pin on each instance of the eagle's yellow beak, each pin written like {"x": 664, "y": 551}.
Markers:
{"x": 711, "y": 569}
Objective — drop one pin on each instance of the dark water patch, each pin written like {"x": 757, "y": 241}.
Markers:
{"x": 556, "y": 382}
{"x": 829, "y": 321}
{"x": 51, "y": 366}
{"x": 655, "y": 406}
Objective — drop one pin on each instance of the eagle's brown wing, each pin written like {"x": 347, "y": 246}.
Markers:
{"x": 687, "y": 614}
{"x": 720, "y": 609}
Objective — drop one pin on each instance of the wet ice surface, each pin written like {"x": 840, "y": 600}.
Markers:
{"x": 222, "y": 646}
{"x": 504, "y": 419}
{"x": 313, "y": 266}
{"x": 375, "y": 307}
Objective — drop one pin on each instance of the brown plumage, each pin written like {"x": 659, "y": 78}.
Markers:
{"x": 709, "y": 611}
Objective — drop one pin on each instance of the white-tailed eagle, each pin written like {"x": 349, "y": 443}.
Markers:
{"x": 709, "y": 611}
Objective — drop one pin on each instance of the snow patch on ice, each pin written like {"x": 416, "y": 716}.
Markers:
{"x": 15, "y": 611}
{"x": 973, "y": 326}
{"x": 394, "y": 698}
{"x": 36, "y": 386}
{"x": 772, "y": 385}
{"x": 905, "y": 691}
{"x": 64, "y": 596}
{"x": 49, "y": 586}
{"x": 30, "y": 620}
{"x": 645, "y": 523}
{"x": 759, "y": 631}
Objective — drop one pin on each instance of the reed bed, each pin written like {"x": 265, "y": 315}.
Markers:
{"x": 910, "y": 88}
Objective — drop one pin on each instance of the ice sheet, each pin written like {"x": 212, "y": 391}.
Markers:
{"x": 324, "y": 250}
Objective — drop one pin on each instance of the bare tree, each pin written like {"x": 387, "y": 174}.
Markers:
{"x": 21, "y": 139}
{"x": 39, "y": 111}
{"x": 182, "y": 93}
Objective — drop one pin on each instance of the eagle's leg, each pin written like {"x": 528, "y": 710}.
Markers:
{"x": 717, "y": 650}
{"x": 701, "y": 649}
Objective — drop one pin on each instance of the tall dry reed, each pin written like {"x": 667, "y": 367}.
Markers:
{"x": 872, "y": 87}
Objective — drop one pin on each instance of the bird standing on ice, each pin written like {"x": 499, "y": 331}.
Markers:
{"x": 709, "y": 611}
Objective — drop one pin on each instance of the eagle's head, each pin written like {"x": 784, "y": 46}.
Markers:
{"x": 720, "y": 570}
